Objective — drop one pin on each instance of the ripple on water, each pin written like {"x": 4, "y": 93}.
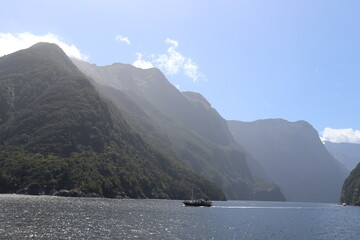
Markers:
{"x": 46, "y": 217}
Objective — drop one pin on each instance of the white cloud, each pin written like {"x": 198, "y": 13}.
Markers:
{"x": 174, "y": 43}
{"x": 140, "y": 63}
{"x": 10, "y": 43}
{"x": 191, "y": 70}
{"x": 341, "y": 135}
{"x": 120, "y": 38}
{"x": 173, "y": 62}
{"x": 323, "y": 140}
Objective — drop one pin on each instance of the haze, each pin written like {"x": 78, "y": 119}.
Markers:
{"x": 296, "y": 60}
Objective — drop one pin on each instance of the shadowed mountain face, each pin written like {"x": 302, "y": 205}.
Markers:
{"x": 57, "y": 132}
{"x": 347, "y": 153}
{"x": 189, "y": 109}
{"x": 293, "y": 156}
{"x": 351, "y": 190}
{"x": 183, "y": 123}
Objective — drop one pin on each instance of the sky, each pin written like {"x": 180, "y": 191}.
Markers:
{"x": 252, "y": 59}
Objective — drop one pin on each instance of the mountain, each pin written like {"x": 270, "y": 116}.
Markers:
{"x": 347, "y": 153}
{"x": 57, "y": 133}
{"x": 152, "y": 86}
{"x": 183, "y": 123}
{"x": 293, "y": 156}
{"x": 350, "y": 193}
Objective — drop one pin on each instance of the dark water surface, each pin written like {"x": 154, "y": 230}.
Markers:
{"x": 45, "y": 217}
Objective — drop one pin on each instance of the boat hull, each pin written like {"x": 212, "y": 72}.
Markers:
{"x": 197, "y": 203}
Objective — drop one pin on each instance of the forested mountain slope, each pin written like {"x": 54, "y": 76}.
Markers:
{"x": 57, "y": 132}
{"x": 351, "y": 189}
{"x": 184, "y": 123}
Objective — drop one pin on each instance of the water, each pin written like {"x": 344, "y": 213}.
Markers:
{"x": 45, "y": 217}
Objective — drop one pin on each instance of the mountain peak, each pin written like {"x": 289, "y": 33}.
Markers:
{"x": 46, "y": 49}
{"x": 42, "y": 54}
{"x": 45, "y": 45}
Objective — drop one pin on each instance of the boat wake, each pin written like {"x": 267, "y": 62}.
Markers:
{"x": 255, "y": 207}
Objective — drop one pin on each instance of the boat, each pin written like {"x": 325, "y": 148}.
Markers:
{"x": 344, "y": 204}
{"x": 198, "y": 203}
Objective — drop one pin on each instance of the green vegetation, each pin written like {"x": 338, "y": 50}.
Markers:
{"x": 106, "y": 174}
{"x": 224, "y": 165}
{"x": 351, "y": 189}
{"x": 57, "y": 133}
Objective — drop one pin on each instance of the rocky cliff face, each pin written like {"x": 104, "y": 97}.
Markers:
{"x": 293, "y": 156}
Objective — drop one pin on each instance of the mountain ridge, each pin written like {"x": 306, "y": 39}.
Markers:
{"x": 185, "y": 122}
{"x": 347, "y": 153}
{"x": 294, "y": 157}
{"x": 57, "y": 132}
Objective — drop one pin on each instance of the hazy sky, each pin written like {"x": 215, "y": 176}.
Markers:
{"x": 252, "y": 59}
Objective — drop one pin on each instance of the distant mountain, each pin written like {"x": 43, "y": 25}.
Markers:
{"x": 58, "y": 133}
{"x": 351, "y": 190}
{"x": 347, "y": 153}
{"x": 294, "y": 157}
{"x": 183, "y": 123}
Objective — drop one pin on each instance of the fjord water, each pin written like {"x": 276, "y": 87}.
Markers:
{"x": 45, "y": 217}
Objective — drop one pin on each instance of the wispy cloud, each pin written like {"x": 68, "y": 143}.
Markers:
{"x": 174, "y": 62}
{"x": 10, "y": 43}
{"x": 141, "y": 63}
{"x": 120, "y": 38}
{"x": 174, "y": 43}
{"x": 191, "y": 70}
{"x": 341, "y": 135}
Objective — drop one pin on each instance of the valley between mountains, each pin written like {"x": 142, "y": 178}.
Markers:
{"x": 123, "y": 132}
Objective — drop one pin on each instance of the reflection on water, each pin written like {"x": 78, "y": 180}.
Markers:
{"x": 47, "y": 217}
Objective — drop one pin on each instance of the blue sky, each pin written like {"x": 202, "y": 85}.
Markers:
{"x": 252, "y": 59}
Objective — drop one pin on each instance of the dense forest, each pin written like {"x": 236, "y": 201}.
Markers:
{"x": 351, "y": 189}
{"x": 57, "y": 133}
